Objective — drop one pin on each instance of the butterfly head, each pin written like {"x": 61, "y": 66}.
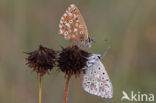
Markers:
{"x": 86, "y": 43}
{"x": 96, "y": 56}
{"x": 92, "y": 59}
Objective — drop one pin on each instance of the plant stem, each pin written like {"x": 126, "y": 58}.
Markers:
{"x": 66, "y": 89}
{"x": 40, "y": 89}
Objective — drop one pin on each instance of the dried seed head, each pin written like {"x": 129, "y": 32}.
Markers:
{"x": 72, "y": 60}
{"x": 41, "y": 60}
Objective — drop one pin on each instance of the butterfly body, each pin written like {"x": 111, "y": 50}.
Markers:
{"x": 96, "y": 80}
{"x": 73, "y": 28}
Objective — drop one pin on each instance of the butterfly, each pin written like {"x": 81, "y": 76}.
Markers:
{"x": 96, "y": 80}
{"x": 73, "y": 27}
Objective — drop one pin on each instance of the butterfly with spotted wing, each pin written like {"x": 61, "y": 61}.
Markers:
{"x": 96, "y": 80}
{"x": 73, "y": 27}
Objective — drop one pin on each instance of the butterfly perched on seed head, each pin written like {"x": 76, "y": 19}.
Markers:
{"x": 73, "y": 28}
{"x": 96, "y": 80}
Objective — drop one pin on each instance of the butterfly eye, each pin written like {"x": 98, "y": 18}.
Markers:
{"x": 91, "y": 40}
{"x": 99, "y": 57}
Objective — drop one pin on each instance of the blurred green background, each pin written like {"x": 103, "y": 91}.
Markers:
{"x": 129, "y": 26}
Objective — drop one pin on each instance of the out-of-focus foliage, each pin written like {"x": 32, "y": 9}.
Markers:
{"x": 129, "y": 26}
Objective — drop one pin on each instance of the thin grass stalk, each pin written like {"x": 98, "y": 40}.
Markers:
{"x": 40, "y": 89}
{"x": 66, "y": 89}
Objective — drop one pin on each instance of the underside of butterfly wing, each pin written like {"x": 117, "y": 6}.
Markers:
{"x": 96, "y": 81}
{"x": 72, "y": 25}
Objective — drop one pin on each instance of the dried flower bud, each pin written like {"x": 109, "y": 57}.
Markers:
{"x": 72, "y": 60}
{"x": 41, "y": 60}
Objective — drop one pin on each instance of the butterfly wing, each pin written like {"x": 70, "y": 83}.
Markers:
{"x": 96, "y": 81}
{"x": 72, "y": 25}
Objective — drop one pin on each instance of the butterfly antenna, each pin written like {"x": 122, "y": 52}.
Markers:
{"x": 106, "y": 51}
